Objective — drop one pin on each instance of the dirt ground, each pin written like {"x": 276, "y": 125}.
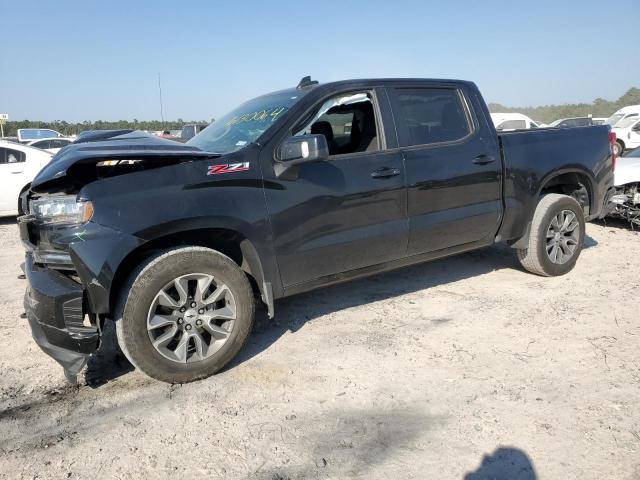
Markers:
{"x": 460, "y": 368}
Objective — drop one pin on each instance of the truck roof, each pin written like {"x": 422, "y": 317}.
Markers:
{"x": 370, "y": 82}
{"x": 629, "y": 108}
{"x": 384, "y": 81}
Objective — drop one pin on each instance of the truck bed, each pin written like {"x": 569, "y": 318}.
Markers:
{"x": 532, "y": 156}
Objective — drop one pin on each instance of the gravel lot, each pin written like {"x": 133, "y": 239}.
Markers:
{"x": 455, "y": 369}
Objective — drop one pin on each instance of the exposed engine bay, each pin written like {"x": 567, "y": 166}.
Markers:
{"x": 626, "y": 203}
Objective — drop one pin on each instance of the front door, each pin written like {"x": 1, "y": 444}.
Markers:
{"x": 349, "y": 211}
{"x": 453, "y": 167}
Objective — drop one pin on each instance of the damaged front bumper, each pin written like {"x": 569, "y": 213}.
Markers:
{"x": 70, "y": 272}
{"x": 55, "y": 307}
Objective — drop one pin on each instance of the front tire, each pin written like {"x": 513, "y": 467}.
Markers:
{"x": 184, "y": 314}
{"x": 556, "y": 237}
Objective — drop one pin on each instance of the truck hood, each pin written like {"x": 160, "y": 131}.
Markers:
{"x": 131, "y": 145}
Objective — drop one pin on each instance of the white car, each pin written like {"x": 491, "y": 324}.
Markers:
{"x": 26, "y": 135}
{"x": 505, "y": 122}
{"x": 19, "y": 164}
{"x": 626, "y": 112}
{"x": 627, "y": 134}
{"x": 52, "y": 145}
{"x": 626, "y": 178}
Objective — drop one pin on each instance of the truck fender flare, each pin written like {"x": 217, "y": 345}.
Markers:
{"x": 556, "y": 173}
{"x": 523, "y": 240}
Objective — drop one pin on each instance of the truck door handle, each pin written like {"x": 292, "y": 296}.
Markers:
{"x": 483, "y": 159}
{"x": 17, "y": 171}
{"x": 385, "y": 172}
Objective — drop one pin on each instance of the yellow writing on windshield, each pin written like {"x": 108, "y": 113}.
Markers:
{"x": 264, "y": 115}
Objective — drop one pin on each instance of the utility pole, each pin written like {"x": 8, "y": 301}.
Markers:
{"x": 160, "y": 90}
{"x": 3, "y": 118}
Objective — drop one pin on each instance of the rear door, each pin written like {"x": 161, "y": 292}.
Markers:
{"x": 348, "y": 211}
{"x": 452, "y": 163}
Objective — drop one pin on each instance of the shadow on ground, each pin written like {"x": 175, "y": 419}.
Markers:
{"x": 294, "y": 312}
{"x": 341, "y": 443}
{"x": 616, "y": 223}
{"x": 108, "y": 362}
{"x": 506, "y": 463}
{"x": 8, "y": 220}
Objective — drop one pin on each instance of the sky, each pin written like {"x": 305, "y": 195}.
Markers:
{"x": 99, "y": 60}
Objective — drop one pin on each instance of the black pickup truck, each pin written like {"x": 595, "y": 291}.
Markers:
{"x": 291, "y": 191}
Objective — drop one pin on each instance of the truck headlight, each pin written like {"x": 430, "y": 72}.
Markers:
{"x": 61, "y": 210}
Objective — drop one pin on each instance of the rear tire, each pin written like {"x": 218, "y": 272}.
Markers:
{"x": 144, "y": 299}
{"x": 553, "y": 251}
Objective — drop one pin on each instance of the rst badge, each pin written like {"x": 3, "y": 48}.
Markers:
{"x": 228, "y": 168}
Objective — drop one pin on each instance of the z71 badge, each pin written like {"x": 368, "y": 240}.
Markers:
{"x": 228, "y": 168}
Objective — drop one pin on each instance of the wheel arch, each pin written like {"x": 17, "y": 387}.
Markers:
{"x": 228, "y": 241}
{"x": 573, "y": 182}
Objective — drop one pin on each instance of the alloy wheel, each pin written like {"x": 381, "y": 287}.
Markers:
{"x": 191, "y": 318}
{"x": 563, "y": 236}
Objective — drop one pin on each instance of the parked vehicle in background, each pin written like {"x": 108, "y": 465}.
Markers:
{"x": 626, "y": 201}
{"x": 505, "y": 122}
{"x": 598, "y": 120}
{"x": 626, "y": 112}
{"x": 166, "y": 134}
{"x": 572, "y": 122}
{"x": 52, "y": 145}
{"x": 26, "y": 135}
{"x": 627, "y": 134}
{"x": 92, "y": 135}
{"x": 18, "y": 165}
{"x": 290, "y": 191}
{"x": 190, "y": 131}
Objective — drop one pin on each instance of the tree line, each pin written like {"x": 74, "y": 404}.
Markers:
{"x": 598, "y": 108}
{"x": 70, "y": 128}
{"x": 544, "y": 114}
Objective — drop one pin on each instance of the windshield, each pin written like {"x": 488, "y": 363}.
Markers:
{"x": 613, "y": 119}
{"x": 627, "y": 122}
{"x": 36, "y": 133}
{"x": 246, "y": 123}
{"x": 556, "y": 123}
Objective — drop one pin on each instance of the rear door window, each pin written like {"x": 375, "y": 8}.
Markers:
{"x": 430, "y": 115}
{"x": 8, "y": 155}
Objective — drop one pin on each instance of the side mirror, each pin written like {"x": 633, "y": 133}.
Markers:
{"x": 303, "y": 149}
{"x": 636, "y": 127}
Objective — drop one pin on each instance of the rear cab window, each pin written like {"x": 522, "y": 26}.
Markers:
{"x": 430, "y": 115}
